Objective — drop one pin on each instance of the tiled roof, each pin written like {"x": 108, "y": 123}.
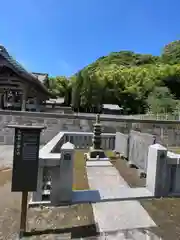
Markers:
{"x": 11, "y": 60}
{"x": 57, "y": 100}
{"x": 41, "y": 76}
{"x": 112, "y": 106}
{"x": 21, "y": 70}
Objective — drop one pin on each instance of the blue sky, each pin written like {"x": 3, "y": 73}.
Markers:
{"x": 62, "y": 36}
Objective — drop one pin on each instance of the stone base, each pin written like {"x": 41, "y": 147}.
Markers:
{"x": 88, "y": 158}
{"x": 94, "y": 153}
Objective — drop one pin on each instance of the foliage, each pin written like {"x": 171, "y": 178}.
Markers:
{"x": 171, "y": 53}
{"x": 135, "y": 82}
{"x": 128, "y": 87}
{"x": 161, "y": 101}
{"x": 60, "y": 86}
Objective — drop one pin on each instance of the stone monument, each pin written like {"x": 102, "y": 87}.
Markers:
{"x": 96, "y": 152}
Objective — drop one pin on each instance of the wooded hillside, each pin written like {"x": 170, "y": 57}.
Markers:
{"x": 136, "y": 82}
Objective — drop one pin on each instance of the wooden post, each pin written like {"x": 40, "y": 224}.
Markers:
{"x": 23, "y": 213}
{"x": 1, "y": 104}
{"x": 23, "y": 100}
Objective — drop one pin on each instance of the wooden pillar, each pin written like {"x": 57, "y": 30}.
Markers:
{"x": 1, "y": 100}
{"x": 37, "y": 104}
{"x": 5, "y": 99}
{"x": 24, "y": 98}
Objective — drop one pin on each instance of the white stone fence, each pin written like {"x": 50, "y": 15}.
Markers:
{"x": 82, "y": 140}
{"x": 163, "y": 172}
{"x": 51, "y": 155}
{"x": 163, "y": 177}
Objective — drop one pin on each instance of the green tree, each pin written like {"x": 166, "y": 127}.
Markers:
{"x": 161, "y": 101}
{"x": 133, "y": 81}
{"x": 76, "y": 83}
{"x": 58, "y": 85}
{"x": 171, "y": 53}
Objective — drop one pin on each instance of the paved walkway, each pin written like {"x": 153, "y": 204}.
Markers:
{"x": 119, "y": 220}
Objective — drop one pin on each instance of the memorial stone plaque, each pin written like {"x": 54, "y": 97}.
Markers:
{"x": 26, "y": 156}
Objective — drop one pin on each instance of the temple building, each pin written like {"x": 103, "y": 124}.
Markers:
{"x": 20, "y": 89}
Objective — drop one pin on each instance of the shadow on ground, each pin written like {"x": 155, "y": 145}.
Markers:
{"x": 76, "y": 232}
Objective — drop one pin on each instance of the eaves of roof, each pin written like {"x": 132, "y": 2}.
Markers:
{"x": 20, "y": 70}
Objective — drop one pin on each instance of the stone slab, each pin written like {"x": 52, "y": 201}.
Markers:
{"x": 98, "y": 163}
{"x": 131, "y": 234}
{"x": 123, "y": 215}
{"x": 99, "y": 159}
{"x": 94, "y": 196}
{"x": 90, "y": 196}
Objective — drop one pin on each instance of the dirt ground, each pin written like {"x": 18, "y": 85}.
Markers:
{"x": 164, "y": 212}
{"x": 46, "y": 223}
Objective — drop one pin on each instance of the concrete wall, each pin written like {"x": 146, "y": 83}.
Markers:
{"x": 58, "y": 109}
{"x": 54, "y": 123}
{"x": 166, "y": 130}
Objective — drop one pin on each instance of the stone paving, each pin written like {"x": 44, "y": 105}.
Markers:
{"x": 117, "y": 220}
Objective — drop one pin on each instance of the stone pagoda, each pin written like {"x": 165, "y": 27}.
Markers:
{"x": 96, "y": 152}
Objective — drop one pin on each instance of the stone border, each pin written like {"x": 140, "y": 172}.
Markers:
{"x": 45, "y": 153}
{"x": 87, "y": 116}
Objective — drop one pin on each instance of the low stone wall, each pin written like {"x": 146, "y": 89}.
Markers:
{"x": 54, "y": 124}
{"x": 167, "y": 132}
{"x": 58, "y": 109}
